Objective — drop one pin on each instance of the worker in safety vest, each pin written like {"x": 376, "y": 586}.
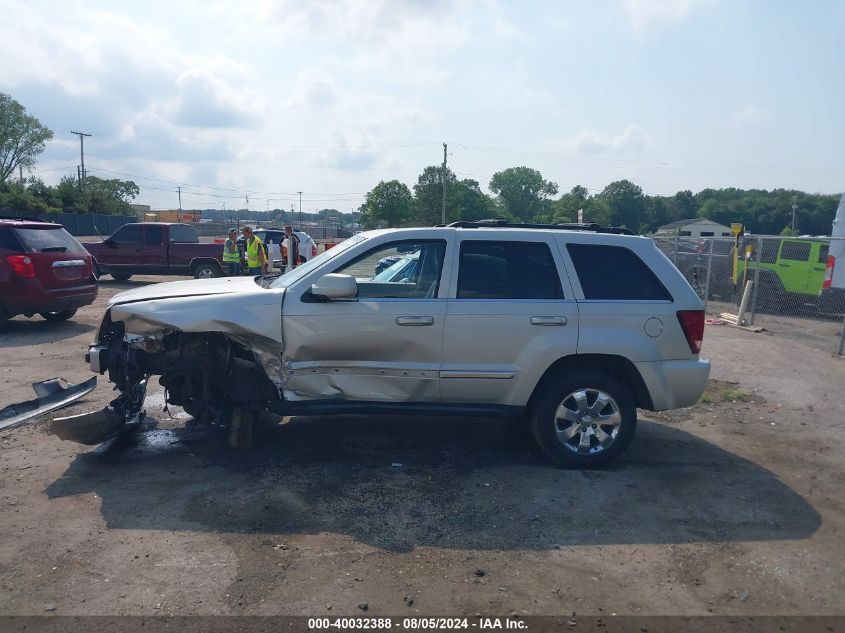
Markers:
{"x": 256, "y": 258}
{"x": 231, "y": 255}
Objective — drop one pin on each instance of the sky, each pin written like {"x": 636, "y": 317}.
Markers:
{"x": 249, "y": 102}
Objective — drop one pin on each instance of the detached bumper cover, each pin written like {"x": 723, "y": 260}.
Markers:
{"x": 52, "y": 394}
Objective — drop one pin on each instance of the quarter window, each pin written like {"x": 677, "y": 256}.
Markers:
{"x": 795, "y": 251}
{"x": 507, "y": 270}
{"x": 823, "y": 251}
{"x": 615, "y": 273}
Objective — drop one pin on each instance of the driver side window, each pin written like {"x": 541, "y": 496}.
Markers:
{"x": 399, "y": 270}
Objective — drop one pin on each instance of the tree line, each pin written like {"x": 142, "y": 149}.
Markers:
{"x": 518, "y": 193}
{"x": 522, "y": 194}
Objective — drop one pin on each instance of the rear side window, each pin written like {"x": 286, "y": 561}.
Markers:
{"x": 8, "y": 241}
{"x": 38, "y": 240}
{"x": 615, "y": 273}
{"x": 507, "y": 270}
{"x": 795, "y": 251}
{"x": 183, "y": 234}
{"x": 153, "y": 235}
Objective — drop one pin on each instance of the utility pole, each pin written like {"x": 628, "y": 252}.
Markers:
{"x": 443, "y": 178}
{"x": 180, "y": 198}
{"x": 794, "y": 208}
{"x": 300, "y": 209}
{"x": 81, "y": 136}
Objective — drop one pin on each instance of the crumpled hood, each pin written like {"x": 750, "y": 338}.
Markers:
{"x": 188, "y": 288}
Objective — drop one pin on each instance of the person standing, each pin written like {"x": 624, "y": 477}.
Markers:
{"x": 292, "y": 241}
{"x": 231, "y": 255}
{"x": 256, "y": 258}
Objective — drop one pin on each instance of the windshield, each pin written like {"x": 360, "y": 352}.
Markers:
{"x": 294, "y": 275}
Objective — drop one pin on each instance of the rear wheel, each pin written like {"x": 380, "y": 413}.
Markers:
{"x": 207, "y": 271}
{"x": 584, "y": 420}
{"x": 121, "y": 276}
{"x": 59, "y": 315}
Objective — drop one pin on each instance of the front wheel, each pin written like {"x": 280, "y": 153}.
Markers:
{"x": 207, "y": 271}
{"x": 584, "y": 420}
{"x": 60, "y": 315}
{"x": 121, "y": 276}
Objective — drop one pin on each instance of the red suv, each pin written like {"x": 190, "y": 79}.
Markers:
{"x": 43, "y": 270}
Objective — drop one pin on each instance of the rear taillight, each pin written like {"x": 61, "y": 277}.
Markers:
{"x": 828, "y": 273}
{"x": 313, "y": 250}
{"x": 22, "y": 265}
{"x": 692, "y": 323}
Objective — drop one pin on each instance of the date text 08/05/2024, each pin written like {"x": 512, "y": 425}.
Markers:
{"x": 415, "y": 623}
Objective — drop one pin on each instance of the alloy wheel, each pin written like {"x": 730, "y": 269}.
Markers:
{"x": 587, "y": 421}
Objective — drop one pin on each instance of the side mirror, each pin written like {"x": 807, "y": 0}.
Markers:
{"x": 335, "y": 286}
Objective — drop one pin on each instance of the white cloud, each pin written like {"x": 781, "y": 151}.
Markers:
{"x": 633, "y": 141}
{"x": 749, "y": 116}
{"x": 647, "y": 16}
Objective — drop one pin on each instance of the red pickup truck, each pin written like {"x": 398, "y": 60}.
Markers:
{"x": 156, "y": 248}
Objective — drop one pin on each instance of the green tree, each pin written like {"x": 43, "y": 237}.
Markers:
{"x": 565, "y": 209}
{"x": 22, "y": 137}
{"x": 428, "y": 193}
{"x": 523, "y": 191}
{"x": 625, "y": 203}
{"x": 389, "y": 203}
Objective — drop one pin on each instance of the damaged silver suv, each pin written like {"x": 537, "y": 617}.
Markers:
{"x": 571, "y": 326}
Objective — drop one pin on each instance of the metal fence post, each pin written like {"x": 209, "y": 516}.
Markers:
{"x": 675, "y": 254}
{"x": 756, "y": 279}
{"x": 707, "y": 276}
{"x": 842, "y": 340}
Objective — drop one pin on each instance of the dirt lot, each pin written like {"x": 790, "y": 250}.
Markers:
{"x": 734, "y": 506}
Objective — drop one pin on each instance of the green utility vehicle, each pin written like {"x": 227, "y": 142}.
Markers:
{"x": 791, "y": 271}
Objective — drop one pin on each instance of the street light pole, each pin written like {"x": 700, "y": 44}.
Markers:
{"x": 300, "y": 209}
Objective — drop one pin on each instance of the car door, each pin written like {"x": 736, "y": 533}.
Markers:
{"x": 511, "y": 315}
{"x": 123, "y": 252}
{"x": 794, "y": 266}
{"x": 385, "y": 345}
{"x": 154, "y": 250}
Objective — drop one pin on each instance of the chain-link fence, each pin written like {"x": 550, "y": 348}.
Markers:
{"x": 783, "y": 284}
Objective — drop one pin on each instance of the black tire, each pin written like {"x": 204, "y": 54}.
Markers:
{"x": 545, "y": 425}
{"x": 97, "y": 272}
{"x": 207, "y": 271}
{"x": 4, "y": 317}
{"x": 121, "y": 276}
{"x": 61, "y": 315}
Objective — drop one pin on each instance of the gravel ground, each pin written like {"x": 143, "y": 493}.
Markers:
{"x": 730, "y": 507}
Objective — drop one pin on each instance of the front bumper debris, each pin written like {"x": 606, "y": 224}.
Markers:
{"x": 123, "y": 415}
{"x": 52, "y": 394}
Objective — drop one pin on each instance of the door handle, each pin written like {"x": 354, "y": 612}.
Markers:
{"x": 415, "y": 320}
{"x": 548, "y": 320}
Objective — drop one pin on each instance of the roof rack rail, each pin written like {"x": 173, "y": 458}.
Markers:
{"x": 23, "y": 218}
{"x": 502, "y": 223}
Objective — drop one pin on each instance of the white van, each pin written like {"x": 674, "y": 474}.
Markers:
{"x": 832, "y": 294}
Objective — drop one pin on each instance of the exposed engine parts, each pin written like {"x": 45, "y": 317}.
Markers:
{"x": 212, "y": 377}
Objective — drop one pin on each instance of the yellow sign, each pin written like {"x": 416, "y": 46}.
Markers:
{"x": 748, "y": 250}
{"x": 736, "y": 228}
